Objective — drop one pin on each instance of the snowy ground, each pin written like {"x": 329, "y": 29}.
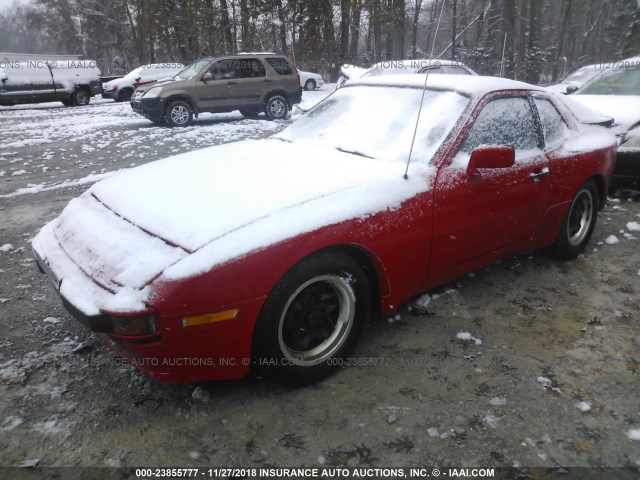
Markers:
{"x": 530, "y": 362}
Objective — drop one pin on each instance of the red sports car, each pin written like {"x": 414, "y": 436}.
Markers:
{"x": 272, "y": 254}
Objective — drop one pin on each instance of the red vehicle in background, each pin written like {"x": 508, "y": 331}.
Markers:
{"x": 272, "y": 254}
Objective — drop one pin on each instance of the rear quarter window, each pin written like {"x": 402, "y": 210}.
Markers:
{"x": 281, "y": 65}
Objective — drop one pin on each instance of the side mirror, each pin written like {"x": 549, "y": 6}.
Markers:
{"x": 207, "y": 76}
{"x": 490, "y": 156}
{"x": 571, "y": 89}
{"x": 138, "y": 79}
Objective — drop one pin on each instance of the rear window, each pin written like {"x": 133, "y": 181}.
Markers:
{"x": 280, "y": 65}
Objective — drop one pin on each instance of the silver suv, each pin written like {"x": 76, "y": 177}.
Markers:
{"x": 251, "y": 83}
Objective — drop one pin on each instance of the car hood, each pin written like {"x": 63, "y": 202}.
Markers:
{"x": 240, "y": 197}
{"x": 625, "y": 109}
{"x": 160, "y": 83}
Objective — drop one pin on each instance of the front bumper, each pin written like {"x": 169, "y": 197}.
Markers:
{"x": 151, "y": 108}
{"x": 174, "y": 353}
{"x": 627, "y": 165}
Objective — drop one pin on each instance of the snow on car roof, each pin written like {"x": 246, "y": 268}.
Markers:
{"x": 417, "y": 62}
{"x": 472, "y": 85}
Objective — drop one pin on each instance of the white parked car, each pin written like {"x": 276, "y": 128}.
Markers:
{"x": 398, "y": 67}
{"x": 310, "y": 80}
{"x": 576, "y": 79}
{"x": 121, "y": 89}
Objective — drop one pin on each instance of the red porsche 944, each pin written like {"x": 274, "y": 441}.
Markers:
{"x": 272, "y": 254}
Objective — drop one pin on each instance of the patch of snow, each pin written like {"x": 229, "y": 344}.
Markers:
{"x": 633, "y": 226}
{"x": 498, "y": 401}
{"x": 201, "y": 395}
{"x": 17, "y": 173}
{"x": 29, "y": 463}
{"x": 634, "y": 434}
{"x": 11, "y": 422}
{"x": 466, "y": 336}
{"x": 52, "y": 320}
{"x": 548, "y": 384}
{"x": 490, "y": 420}
{"x": 584, "y": 406}
{"x": 611, "y": 240}
{"x": 6, "y": 247}
{"x": 193, "y": 455}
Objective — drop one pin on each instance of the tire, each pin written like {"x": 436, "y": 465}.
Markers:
{"x": 276, "y": 108}
{"x": 178, "y": 114}
{"x": 67, "y": 103}
{"x": 80, "y": 97}
{"x": 249, "y": 113}
{"x": 310, "y": 85}
{"x": 578, "y": 225}
{"x": 124, "y": 95}
{"x": 312, "y": 319}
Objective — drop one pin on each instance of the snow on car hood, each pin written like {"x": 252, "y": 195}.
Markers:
{"x": 625, "y": 109}
{"x": 225, "y": 201}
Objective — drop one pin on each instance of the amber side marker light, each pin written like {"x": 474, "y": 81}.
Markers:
{"x": 210, "y": 318}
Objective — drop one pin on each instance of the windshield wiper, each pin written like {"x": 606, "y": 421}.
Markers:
{"x": 353, "y": 152}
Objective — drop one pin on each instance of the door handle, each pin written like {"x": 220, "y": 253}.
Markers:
{"x": 537, "y": 176}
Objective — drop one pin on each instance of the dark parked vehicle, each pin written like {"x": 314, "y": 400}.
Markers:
{"x": 72, "y": 82}
{"x": 616, "y": 93}
{"x": 251, "y": 83}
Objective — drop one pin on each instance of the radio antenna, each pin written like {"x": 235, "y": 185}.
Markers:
{"x": 424, "y": 90}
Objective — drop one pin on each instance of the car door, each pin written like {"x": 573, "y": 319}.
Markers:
{"x": 253, "y": 81}
{"x": 218, "y": 91}
{"x": 476, "y": 215}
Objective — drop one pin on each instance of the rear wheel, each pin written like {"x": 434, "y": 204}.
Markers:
{"x": 312, "y": 319}
{"x": 178, "y": 114}
{"x": 276, "y": 108}
{"x": 579, "y": 223}
{"x": 80, "y": 97}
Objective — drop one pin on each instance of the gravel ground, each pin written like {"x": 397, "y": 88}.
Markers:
{"x": 529, "y": 362}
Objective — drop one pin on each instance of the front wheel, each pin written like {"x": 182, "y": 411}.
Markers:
{"x": 312, "y": 319}
{"x": 124, "y": 95}
{"x": 578, "y": 224}
{"x": 178, "y": 114}
{"x": 310, "y": 85}
{"x": 276, "y": 108}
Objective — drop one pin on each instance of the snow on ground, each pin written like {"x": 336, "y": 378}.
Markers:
{"x": 103, "y": 137}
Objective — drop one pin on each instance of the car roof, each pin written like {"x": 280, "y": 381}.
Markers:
{"x": 419, "y": 63}
{"x": 471, "y": 85}
{"x": 242, "y": 54}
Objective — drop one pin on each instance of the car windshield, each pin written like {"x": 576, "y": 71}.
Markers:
{"x": 192, "y": 70}
{"x": 582, "y": 75}
{"x": 378, "y": 121}
{"x": 614, "y": 82}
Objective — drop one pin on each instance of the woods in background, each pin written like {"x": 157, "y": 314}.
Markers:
{"x": 538, "y": 41}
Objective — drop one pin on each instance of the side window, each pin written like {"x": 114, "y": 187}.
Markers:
{"x": 224, "y": 70}
{"x": 251, "y": 68}
{"x": 280, "y": 65}
{"x": 554, "y": 127}
{"x": 505, "y": 121}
